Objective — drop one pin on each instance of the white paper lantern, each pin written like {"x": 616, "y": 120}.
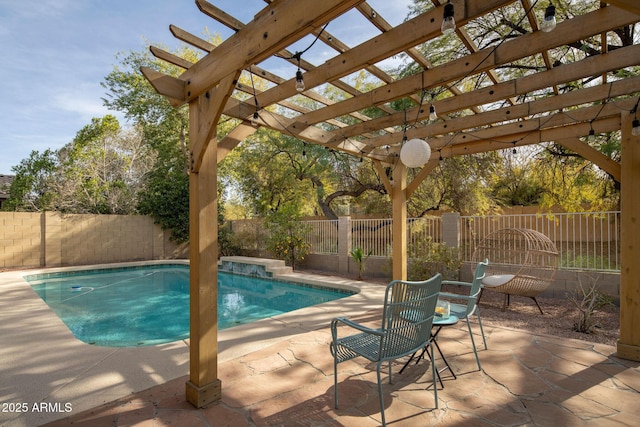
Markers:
{"x": 415, "y": 153}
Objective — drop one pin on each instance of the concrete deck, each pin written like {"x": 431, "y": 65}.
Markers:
{"x": 279, "y": 372}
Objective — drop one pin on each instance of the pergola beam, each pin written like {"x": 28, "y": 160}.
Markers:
{"x": 402, "y": 37}
{"x": 234, "y": 24}
{"x": 614, "y": 60}
{"x": 526, "y": 45}
{"x": 527, "y": 138}
{"x": 629, "y": 5}
{"x": 277, "y": 26}
{"x": 589, "y": 153}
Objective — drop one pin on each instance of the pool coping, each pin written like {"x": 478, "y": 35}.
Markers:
{"x": 42, "y": 361}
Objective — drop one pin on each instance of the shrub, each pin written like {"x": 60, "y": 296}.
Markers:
{"x": 425, "y": 258}
{"x": 286, "y": 238}
{"x": 588, "y": 301}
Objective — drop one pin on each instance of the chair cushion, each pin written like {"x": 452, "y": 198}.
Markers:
{"x": 496, "y": 280}
{"x": 458, "y": 310}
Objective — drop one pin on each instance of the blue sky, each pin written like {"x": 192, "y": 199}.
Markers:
{"x": 57, "y": 52}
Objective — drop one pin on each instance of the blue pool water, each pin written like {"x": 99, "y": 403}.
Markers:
{"x": 138, "y": 306}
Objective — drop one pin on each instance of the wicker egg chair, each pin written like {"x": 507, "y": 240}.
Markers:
{"x": 522, "y": 262}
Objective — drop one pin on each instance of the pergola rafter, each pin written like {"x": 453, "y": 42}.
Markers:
{"x": 491, "y": 116}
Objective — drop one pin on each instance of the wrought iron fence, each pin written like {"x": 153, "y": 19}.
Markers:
{"x": 585, "y": 241}
{"x": 371, "y": 235}
{"x": 322, "y": 236}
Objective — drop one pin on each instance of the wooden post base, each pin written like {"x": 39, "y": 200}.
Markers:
{"x": 628, "y": 352}
{"x": 203, "y": 396}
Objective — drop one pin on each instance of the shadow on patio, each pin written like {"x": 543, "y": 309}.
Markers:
{"x": 526, "y": 380}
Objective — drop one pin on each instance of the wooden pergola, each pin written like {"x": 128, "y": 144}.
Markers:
{"x": 485, "y": 118}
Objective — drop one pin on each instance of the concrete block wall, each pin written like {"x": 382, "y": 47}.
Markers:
{"x": 50, "y": 239}
{"x": 20, "y": 240}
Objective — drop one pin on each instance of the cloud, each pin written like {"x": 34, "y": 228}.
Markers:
{"x": 83, "y": 99}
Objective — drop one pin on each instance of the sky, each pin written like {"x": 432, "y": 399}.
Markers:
{"x": 58, "y": 52}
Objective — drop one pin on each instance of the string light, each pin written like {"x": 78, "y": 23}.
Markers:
{"x": 549, "y": 22}
{"x": 448, "y": 23}
{"x": 635, "y": 125}
{"x": 432, "y": 113}
{"x": 256, "y": 116}
{"x": 299, "y": 78}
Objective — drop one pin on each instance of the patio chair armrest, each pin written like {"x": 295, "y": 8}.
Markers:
{"x": 354, "y": 325}
{"x": 455, "y": 282}
{"x": 459, "y": 296}
{"x": 456, "y": 296}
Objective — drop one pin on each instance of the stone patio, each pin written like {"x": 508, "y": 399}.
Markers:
{"x": 525, "y": 380}
{"x": 279, "y": 372}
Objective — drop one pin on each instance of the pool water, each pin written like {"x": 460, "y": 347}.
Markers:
{"x": 138, "y": 306}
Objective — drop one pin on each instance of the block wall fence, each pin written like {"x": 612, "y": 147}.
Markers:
{"x": 34, "y": 240}
{"x": 48, "y": 239}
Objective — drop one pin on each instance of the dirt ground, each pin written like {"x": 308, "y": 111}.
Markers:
{"x": 559, "y": 318}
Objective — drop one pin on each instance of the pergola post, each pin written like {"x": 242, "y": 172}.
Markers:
{"x": 629, "y": 343}
{"x": 399, "y": 221}
{"x": 203, "y": 386}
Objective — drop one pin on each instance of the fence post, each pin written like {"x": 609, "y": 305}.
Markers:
{"x": 451, "y": 229}
{"x": 344, "y": 243}
{"x": 52, "y": 239}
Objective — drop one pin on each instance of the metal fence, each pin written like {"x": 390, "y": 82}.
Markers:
{"x": 322, "y": 236}
{"x": 371, "y": 235}
{"x": 585, "y": 241}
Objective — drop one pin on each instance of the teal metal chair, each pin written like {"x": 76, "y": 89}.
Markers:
{"x": 407, "y": 319}
{"x": 468, "y": 304}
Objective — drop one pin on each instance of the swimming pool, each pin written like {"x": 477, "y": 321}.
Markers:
{"x": 148, "y": 305}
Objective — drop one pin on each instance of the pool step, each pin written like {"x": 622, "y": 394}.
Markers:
{"x": 254, "y": 266}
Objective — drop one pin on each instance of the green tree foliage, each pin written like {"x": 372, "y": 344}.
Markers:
{"x": 103, "y": 169}
{"x": 165, "y": 194}
{"x": 517, "y": 185}
{"x": 101, "y": 172}
{"x": 286, "y": 239}
{"x": 166, "y": 199}
{"x": 31, "y": 188}
{"x": 459, "y": 184}
{"x": 270, "y": 170}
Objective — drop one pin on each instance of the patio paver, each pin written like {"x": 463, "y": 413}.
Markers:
{"x": 526, "y": 380}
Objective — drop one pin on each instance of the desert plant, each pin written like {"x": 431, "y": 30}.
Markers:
{"x": 588, "y": 300}
{"x": 359, "y": 257}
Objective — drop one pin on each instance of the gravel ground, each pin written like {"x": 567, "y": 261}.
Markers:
{"x": 559, "y": 318}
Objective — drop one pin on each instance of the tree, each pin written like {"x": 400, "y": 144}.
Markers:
{"x": 165, "y": 193}
{"x": 287, "y": 234}
{"x": 31, "y": 189}
{"x": 103, "y": 169}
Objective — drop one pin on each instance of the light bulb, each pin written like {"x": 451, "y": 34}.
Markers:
{"x": 432, "y": 113}
{"x": 635, "y": 131}
{"x": 549, "y": 22}
{"x": 448, "y": 23}
{"x": 254, "y": 120}
{"x": 299, "y": 81}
